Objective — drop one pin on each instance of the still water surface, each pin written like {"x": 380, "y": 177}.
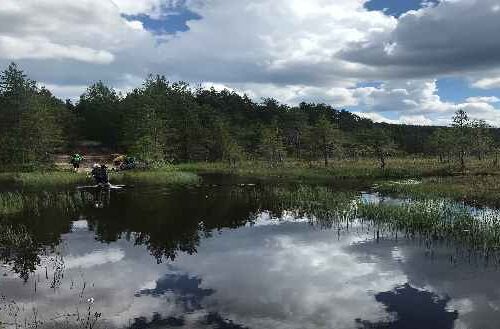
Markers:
{"x": 213, "y": 257}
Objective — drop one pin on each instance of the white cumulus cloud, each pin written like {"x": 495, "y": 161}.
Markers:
{"x": 315, "y": 50}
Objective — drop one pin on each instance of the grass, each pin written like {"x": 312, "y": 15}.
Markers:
{"x": 435, "y": 220}
{"x": 341, "y": 169}
{"x": 69, "y": 178}
{"x": 157, "y": 176}
{"x": 322, "y": 204}
{"x": 49, "y": 178}
{"x": 290, "y": 170}
{"x": 14, "y": 202}
{"x": 473, "y": 189}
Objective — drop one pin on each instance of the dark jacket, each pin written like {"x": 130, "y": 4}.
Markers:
{"x": 100, "y": 175}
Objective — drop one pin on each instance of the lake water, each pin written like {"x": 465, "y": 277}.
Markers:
{"x": 217, "y": 256}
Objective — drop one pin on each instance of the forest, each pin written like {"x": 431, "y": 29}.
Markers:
{"x": 165, "y": 122}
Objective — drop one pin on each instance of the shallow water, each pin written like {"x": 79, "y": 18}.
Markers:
{"x": 217, "y": 256}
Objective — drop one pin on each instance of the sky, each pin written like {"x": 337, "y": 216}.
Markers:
{"x": 398, "y": 61}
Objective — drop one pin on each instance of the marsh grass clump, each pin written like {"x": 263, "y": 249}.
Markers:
{"x": 443, "y": 220}
{"x": 434, "y": 220}
{"x": 324, "y": 205}
{"x": 475, "y": 189}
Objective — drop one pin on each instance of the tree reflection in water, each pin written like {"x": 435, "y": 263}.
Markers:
{"x": 411, "y": 306}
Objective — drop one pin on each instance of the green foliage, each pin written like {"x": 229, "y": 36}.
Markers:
{"x": 232, "y": 152}
{"x": 163, "y": 122}
{"x": 98, "y": 114}
{"x": 271, "y": 146}
{"x": 321, "y": 140}
{"x": 378, "y": 143}
{"x": 31, "y": 129}
{"x": 464, "y": 138}
{"x": 462, "y": 135}
{"x": 146, "y": 138}
{"x": 441, "y": 143}
{"x": 483, "y": 138}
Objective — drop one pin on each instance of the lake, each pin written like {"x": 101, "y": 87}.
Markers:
{"x": 226, "y": 254}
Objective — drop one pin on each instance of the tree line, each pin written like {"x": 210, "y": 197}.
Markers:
{"x": 162, "y": 121}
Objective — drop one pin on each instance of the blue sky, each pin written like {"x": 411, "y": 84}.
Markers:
{"x": 172, "y": 22}
{"x": 364, "y": 56}
{"x": 458, "y": 90}
{"x": 395, "y": 7}
{"x": 177, "y": 19}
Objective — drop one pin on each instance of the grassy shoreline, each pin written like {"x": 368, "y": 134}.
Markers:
{"x": 345, "y": 169}
{"x": 58, "y": 178}
{"x": 188, "y": 173}
{"x": 479, "y": 185}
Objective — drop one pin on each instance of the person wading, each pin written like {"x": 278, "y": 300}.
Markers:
{"x": 100, "y": 174}
{"x": 76, "y": 160}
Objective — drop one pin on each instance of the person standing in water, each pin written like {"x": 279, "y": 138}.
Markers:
{"x": 76, "y": 160}
{"x": 100, "y": 174}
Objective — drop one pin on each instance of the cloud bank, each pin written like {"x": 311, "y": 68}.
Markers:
{"x": 337, "y": 52}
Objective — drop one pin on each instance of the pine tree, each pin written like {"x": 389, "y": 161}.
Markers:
{"x": 327, "y": 138}
{"x": 462, "y": 134}
{"x": 271, "y": 146}
{"x": 30, "y": 128}
{"x": 379, "y": 143}
{"x": 99, "y": 115}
